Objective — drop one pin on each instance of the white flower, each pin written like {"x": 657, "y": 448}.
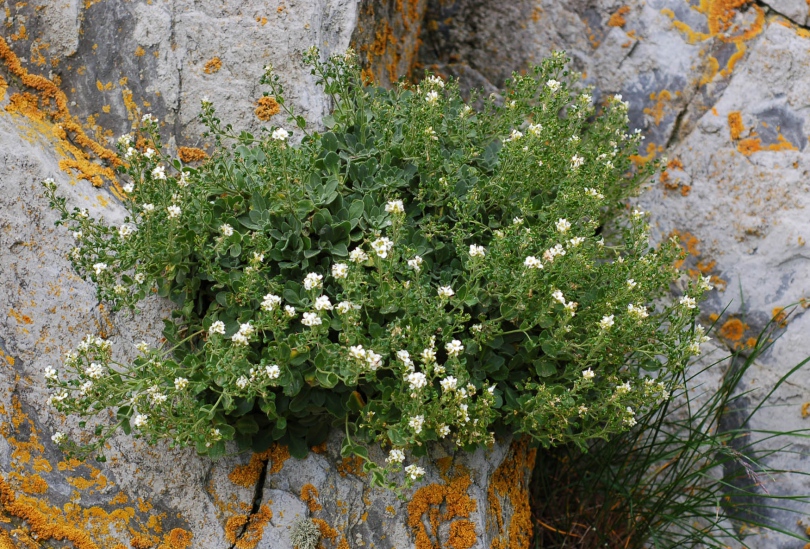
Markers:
{"x": 700, "y": 332}
{"x": 271, "y": 302}
{"x": 150, "y": 152}
{"x": 535, "y": 129}
{"x": 563, "y": 225}
{"x": 340, "y": 270}
{"x": 357, "y": 352}
{"x": 289, "y": 310}
{"x": 638, "y": 214}
{"x": 429, "y": 131}
{"x": 323, "y": 304}
{"x": 180, "y": 383}
{"x": 382, "y": 246}
{"x": 312, "y": 281}
{"x": 58, "y": 437}
{"x": 50, "y": 373}
{"x": 416, "y": 380}
{"x": 183, "y": 181}
{"x": 94, "y": 371}
{"x": 311, "y": 319}
{"x": 174, "y": 211}
{"x": 688, "y": 302}
{"x": 159, "y": 173}
{"x": 125, "y": 140}
{"x": 140, "y": 421}
{"x": 428, "y": 355}
{"x": 246, "y": 329}
{"x": 272, "y": 371}
{"x": 99, "y": 268}
{"x": 242, "y": 382}
{"x": 83, "y": 213}
{"x": 477, "y": 251}
{"x": 345, "y": 306}
{"x": 532, "y": 262}
{"x": 128, "y": 188}
{"x": 558, "y": 296}
{"x": 454, "y": 348}
{"x": 588, "y": 374}
{"x": 125, "y": 230}
{"x": 148, "y": 118}
{"x": 449, "y": 384}
{"x": 694, "y": 348}
{"x": 434, "y": 80}
{"x": 582, "y": 410}
{"x": 466, "y": 110}
{"x": 239, "y": 339}
{"x": 215, "y": 434}
{"x": 631, "y": 284}
{"x": 414, "y": 471}
{"x": 577, "y": 161}
{"x": 130, "y": 153}
{"x": 445, "y": 292}
{"x": 553, "y": 85}
{"x": 395, "y": 456}
{"x": 280, "y": 134}
{"x": 78, "y": 235}
{"x": 405, "y": 357}
{"x": 594, "y": 193}
{"x": 705, "y": 283}
{"x": 416, "y": 423}
{"x": 119, "y": 289}
{"x": 357, "y": 255}
{"x": 607, "y": 322}
{"x": 623, "y": 388}
{"x": 638, "y": 312}
{"x": 514, "y": 136}
{"x": 630, "y": 420}
{"x": 576, "y": 241}
{"x": 217, "y": 327}
{"x": 395, "y": 207}
{"x": 432, "y": 97}
{"x": 148, "y": 208}
{"x": 226, "y": 229}
{"x": 443, "y": 431}
{"x": 415, "y": 263}
{"x": 374, "y": 360}
{"x": 139, "y": 278}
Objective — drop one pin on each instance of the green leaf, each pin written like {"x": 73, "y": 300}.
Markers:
{"x": 246, "y": 425}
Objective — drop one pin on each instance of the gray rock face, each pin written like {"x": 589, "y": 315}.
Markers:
{"x": 717, "y": 87}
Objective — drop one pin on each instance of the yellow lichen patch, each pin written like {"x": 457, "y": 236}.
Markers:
{"x": 779, "y": 316}
{"x": 462, "y": 535}
{"x": 33, "y": 484}
{"x": 735, "y": 125}
{"x": 247, "y": 476}
{"x": 5, "y": 540}
{"x": 753, "y": 144}
{"x": 212, "y": 66}
{"x": 278, "y": 454}
{"x": 191, "y": 154}
{"x": 177, "y": 538}
{"x": 139, "y": 52}
{"x": 320, "y": 448}
{"x": 509, "y": 487}
{"x": 437, "y": 504}
{"x": 703, "y": 267}
{"x": 661, "y": 99}
{"x": 19, "y": 317}
{"x": 266, "y": 108}
{"x": 80, "y": 146}
{"x": 3, "y": 87}
{"x": 806, "y": 409}
{"x": 652, "y": 150}
{"x": 617, "y": 19}
{"x": 309, "y": 495}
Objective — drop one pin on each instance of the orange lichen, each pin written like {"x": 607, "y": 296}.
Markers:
{"x": 212, "y": 66}
{"x": 320, "y": 448}
{"x": 80, "y": 143}
{"x": 327, "y": 532}
{"x": 351, "y": 466}
{"x": 462, "y": 535}
{"x": 277, "y": 454}
{"x": 652, "y": 150}
{"x": 753, "y": 144}
{"x": 248, "y": 475}
{"x": 439, "y": 503}
{"x": 19, "y": 317}
{"x": 661, "y": 99}
{"x": 735, "y": 125}
{"x": 733, "y": 329}
{"x": 309, "y": 495}
{"x": 509, "y": 487}
{"x": 34, "y": 484}
{"x": 779, "y": 316}
{"x": 266, "y": 108}
{"x": 191, "y": 154}
{"x": 5, "y": 540}
{"x": 177, "y": 538}
{"x": 246, "y": 531}
{"x": 806, "y": 409}
{"x": 617, "y": 19}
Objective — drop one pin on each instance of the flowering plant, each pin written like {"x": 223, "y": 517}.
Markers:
{"x": 421, "y": 270}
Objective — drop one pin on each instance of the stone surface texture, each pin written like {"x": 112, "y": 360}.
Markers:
{"x": 719, "y": 87}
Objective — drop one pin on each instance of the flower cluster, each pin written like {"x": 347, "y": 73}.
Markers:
{"x": 404, "y": 274}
